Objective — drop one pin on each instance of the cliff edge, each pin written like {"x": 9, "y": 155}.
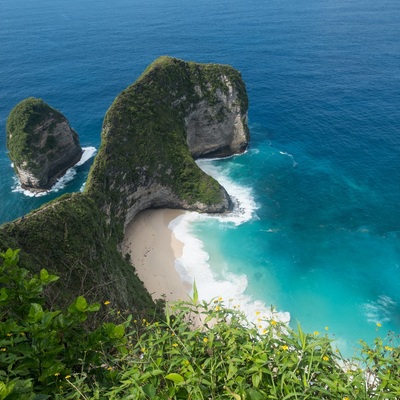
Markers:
{"x": 41, "y": 144}
{"x": 175, "y": 112}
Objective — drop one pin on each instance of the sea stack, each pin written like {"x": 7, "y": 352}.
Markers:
{"x": 41, "y": 143}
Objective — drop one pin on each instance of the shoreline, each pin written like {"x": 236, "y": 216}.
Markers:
{"x": 154, "y": 248}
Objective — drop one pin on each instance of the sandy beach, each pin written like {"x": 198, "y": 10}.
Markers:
{"x": 153, "y": 249}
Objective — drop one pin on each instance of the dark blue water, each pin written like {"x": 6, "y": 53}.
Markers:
{"x": 323, "y": 169}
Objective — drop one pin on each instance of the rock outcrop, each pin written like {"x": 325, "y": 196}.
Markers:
{"x": 41, "y": 144}
{"x": 218, "y": 129}
{"x": 175, "y": 112}
{"x": 151, "y": 133}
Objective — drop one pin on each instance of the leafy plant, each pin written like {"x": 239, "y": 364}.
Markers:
{"x": 199, "y": 350}
{"x": 39, "y": 347}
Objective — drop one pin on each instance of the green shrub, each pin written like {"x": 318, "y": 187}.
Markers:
{"x": 40, "y": 347}
{"x": 200, "y": 350}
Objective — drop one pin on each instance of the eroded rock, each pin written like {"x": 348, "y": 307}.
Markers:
{"x": 41, "y": 144}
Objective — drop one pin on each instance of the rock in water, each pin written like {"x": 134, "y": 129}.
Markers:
{"x": 41, "y": 144}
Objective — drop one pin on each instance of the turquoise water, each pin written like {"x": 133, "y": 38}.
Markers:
{"x": 318, "y": 236}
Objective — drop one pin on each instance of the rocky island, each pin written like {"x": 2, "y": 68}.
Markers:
{"x": 41, "y": 143}
{"x": 175, "y": 112}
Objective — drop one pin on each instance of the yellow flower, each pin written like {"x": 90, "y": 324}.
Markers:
{"x": 3, "y": 349}
{"x": 205, "y": 340}
{"x": 109, "y": 369}
{"x": 284, "y": 347}
{"x": 107, "y": 302}
{"x": 378, "y": 324}
{"x": 273, "y": 322}
{"x": 325, "y": 358}
{"x": 143, "y": 350}
{"x": 175, "y": 345}
{"x": 67, "y": 376}
{"x": 57, "y": 374}
{"x": 327, "y": 328}
{"x": 219, "y": 298}
{"x": 388, "y": 348}
{"x": 346, "y": 398}
{"x": 9, "y": 334}
{"x": 316, "y": 333}
{"x": 217, "y": 308}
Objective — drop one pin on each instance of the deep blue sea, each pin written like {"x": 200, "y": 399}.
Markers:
{"x": 318, "y": 225}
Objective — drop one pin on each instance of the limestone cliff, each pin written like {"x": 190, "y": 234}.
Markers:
{"x": 175, "y": 111}
{"x": 217, "y": 127}
{"x": 41, "y": 144}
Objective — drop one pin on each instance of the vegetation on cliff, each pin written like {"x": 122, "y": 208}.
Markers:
{"x": 50, "y": 354}
{"x": 144, "y": 140}
{"x": 143, "y": 161}
{"x": 22, "y": 137}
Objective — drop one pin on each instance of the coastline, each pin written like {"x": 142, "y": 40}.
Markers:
{"x": 154, "y": 248}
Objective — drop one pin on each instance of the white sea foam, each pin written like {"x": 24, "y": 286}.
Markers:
{"x": 88, "y": 152}
{"x": 284, "y": 153}
{"x": 242, "y": 196}
{"x": 194, "y": 264}
{"x": 380, "y": 310}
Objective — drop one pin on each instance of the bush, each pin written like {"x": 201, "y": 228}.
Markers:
{"x": 40, "y": 347}
{"x": 200, "y": 350}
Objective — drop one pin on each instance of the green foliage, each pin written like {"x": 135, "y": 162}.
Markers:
{"x": 200, "y": 350}
{"x": 70, "y": 237}
{"x": 22, "y": 138}
{"x": 38, "y": 346}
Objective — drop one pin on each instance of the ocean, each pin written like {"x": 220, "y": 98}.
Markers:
{"x": 316, "y": 230}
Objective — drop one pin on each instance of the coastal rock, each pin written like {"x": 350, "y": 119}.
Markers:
{"x": 151, "y": 134}
{"x": 175, "y": 112}
{"x": 217, "y": 128}
{"x": 41, "y": 144}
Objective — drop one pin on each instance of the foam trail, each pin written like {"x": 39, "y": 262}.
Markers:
{"x": 88, "y": 153}
{"x": 194, "y": 264}
{"x": 284, "y": 153}
{"x": 381, "y": 310}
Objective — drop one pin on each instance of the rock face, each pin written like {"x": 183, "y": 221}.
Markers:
{"x": 175, "y": 112}
{"x": 41, "y": 144}
{"x": 218, "y": 129}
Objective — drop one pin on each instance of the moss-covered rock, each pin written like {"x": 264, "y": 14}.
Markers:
{"x": 41, "y": 144}
{"x": 175, "y": 111}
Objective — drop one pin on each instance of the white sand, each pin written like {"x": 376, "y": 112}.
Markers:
{"x": 153, "y": 249}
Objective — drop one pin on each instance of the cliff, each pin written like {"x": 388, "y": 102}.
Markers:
{"x": 175, "y": 111}
{"x": 41, "y": 144}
